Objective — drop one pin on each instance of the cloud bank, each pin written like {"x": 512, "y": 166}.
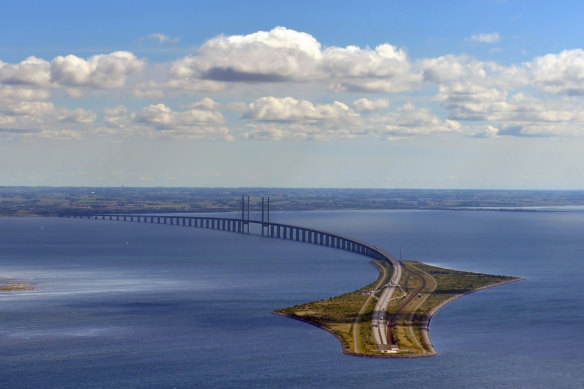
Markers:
{"x": 284, "y": 84}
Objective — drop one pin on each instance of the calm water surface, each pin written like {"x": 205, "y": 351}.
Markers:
{"x": 151, "y": 306}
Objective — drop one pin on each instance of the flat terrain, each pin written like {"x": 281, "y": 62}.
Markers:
{"x": 423, "y": 289}
{"x": 10, "y": 286}
{"x": 56, "y": 201}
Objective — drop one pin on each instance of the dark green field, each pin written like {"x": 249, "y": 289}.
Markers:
{"x": 55, "y": 201}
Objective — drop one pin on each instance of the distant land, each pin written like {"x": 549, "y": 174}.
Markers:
{"x": 55, "y": 201}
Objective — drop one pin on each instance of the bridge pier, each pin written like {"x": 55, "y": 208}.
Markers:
{"x": 274, "y": 230}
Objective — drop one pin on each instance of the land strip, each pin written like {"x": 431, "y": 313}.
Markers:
{"x": 382, "y": 279}
{"x": 346, "y": 314}
{"x": 427, "y": 288}
{"x": 58, "y": 201}
{"x": 10, "y": 286}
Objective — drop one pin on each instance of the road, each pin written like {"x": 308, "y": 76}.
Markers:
{"x": 378, "y": 322}
{"x": 358, "y": 318}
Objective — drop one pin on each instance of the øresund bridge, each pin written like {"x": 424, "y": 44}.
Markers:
{"x": 267, "y": 228}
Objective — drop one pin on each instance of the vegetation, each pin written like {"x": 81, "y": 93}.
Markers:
{"x": 422, "y": 291}
{"x": 55, "y": 201}
{"x": 6, "y": 286}
{"x": 340, "y": 314}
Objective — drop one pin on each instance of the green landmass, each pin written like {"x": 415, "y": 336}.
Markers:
{"x": 427, "y": 288}
{"x": 10, "y": 286}
{"x": 344, "y": 314}
{"x": 58, "y": 201}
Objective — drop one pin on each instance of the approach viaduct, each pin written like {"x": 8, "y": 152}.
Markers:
{"x": 381, "y": 331}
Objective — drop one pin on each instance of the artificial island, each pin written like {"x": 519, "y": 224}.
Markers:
{"x": 390, "y": 317}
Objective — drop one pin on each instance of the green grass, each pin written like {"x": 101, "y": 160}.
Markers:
{"x": 10, "y": 287}
{"x": 338, "y": 314}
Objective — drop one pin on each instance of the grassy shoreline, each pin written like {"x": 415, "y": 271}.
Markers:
{"x": 6, "y": 286}
{"x": 411, "y": 314}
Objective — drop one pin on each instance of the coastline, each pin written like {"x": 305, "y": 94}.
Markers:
{"x": 428, "y": 317}
{"x": 425, "y": 327}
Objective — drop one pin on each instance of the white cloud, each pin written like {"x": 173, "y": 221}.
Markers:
{"x": 31, "y": 71}
{"x": 366, "y": 105}
{"x": 20, "y": 93}
{"x": 118, "y": 116}
{"x": 284, "y": 55}
{"x": 289, "y": 109}
{"x": 481, "y": 98}
{"x": 98, "y": 71}
{"x": 451, "y": 68}
{"x": 194, "y": 123}
{"x": 465, "y": 70}
{"x": 561, "y": 73}
{"x": 516, "y": 114}
{"x": 271, "y": 118}
{"x": 351, "y": 61}
{"x": 274, "y": 55}
{"x": 205, "y": 103}
{"x": 162, "y": 38}
{"x": 409, "y": 120}
{"x": 43, "y": 119}
{"x": 490, "y": 37}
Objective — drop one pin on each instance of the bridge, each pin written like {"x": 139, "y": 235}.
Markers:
{"x": 264, "y": 227}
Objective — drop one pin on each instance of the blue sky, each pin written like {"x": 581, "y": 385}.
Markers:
{"x": 411, "y": 94}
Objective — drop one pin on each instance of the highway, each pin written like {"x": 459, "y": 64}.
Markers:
{"x": 379, "y": 325}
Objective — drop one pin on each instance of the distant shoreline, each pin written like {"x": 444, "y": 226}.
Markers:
{"x": 57, "y": 201}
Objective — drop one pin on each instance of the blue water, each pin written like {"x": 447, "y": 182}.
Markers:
{"x": 151, "y": 306}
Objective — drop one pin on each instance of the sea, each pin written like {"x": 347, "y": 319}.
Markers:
{"x": 130, "y": 305}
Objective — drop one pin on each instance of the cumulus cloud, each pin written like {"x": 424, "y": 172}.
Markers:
{"x": 516, "y": 114}
{"x": 561, "y": 73}
{"x": 272, "y": 118}
{"x": 535, "y": 98}
{"x": 118, "y": 116}
{"x": 205, "y": 103}
{"x": 194, "y": 123}
{"x": 490, "y": 37}
{"x": 409, "y": 120}
{"x": 275, "y": 118}
{"x": 99, "y": 71}
{"x": 465, "y": 70}
{"x": 366, "y": 105}
{"x": 41, "y": 119}
{"x": 276, "y": 55}
{"x": 31, "y": 71}
{"x": 289, "y": 109}
{"x": 284, "y": 55}
{"x": 20, "y": 93}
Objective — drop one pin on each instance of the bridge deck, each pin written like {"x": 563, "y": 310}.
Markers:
{"x": 381, "y": 331}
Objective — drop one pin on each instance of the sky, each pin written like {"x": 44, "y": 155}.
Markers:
{"x": 481, "y": 94}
